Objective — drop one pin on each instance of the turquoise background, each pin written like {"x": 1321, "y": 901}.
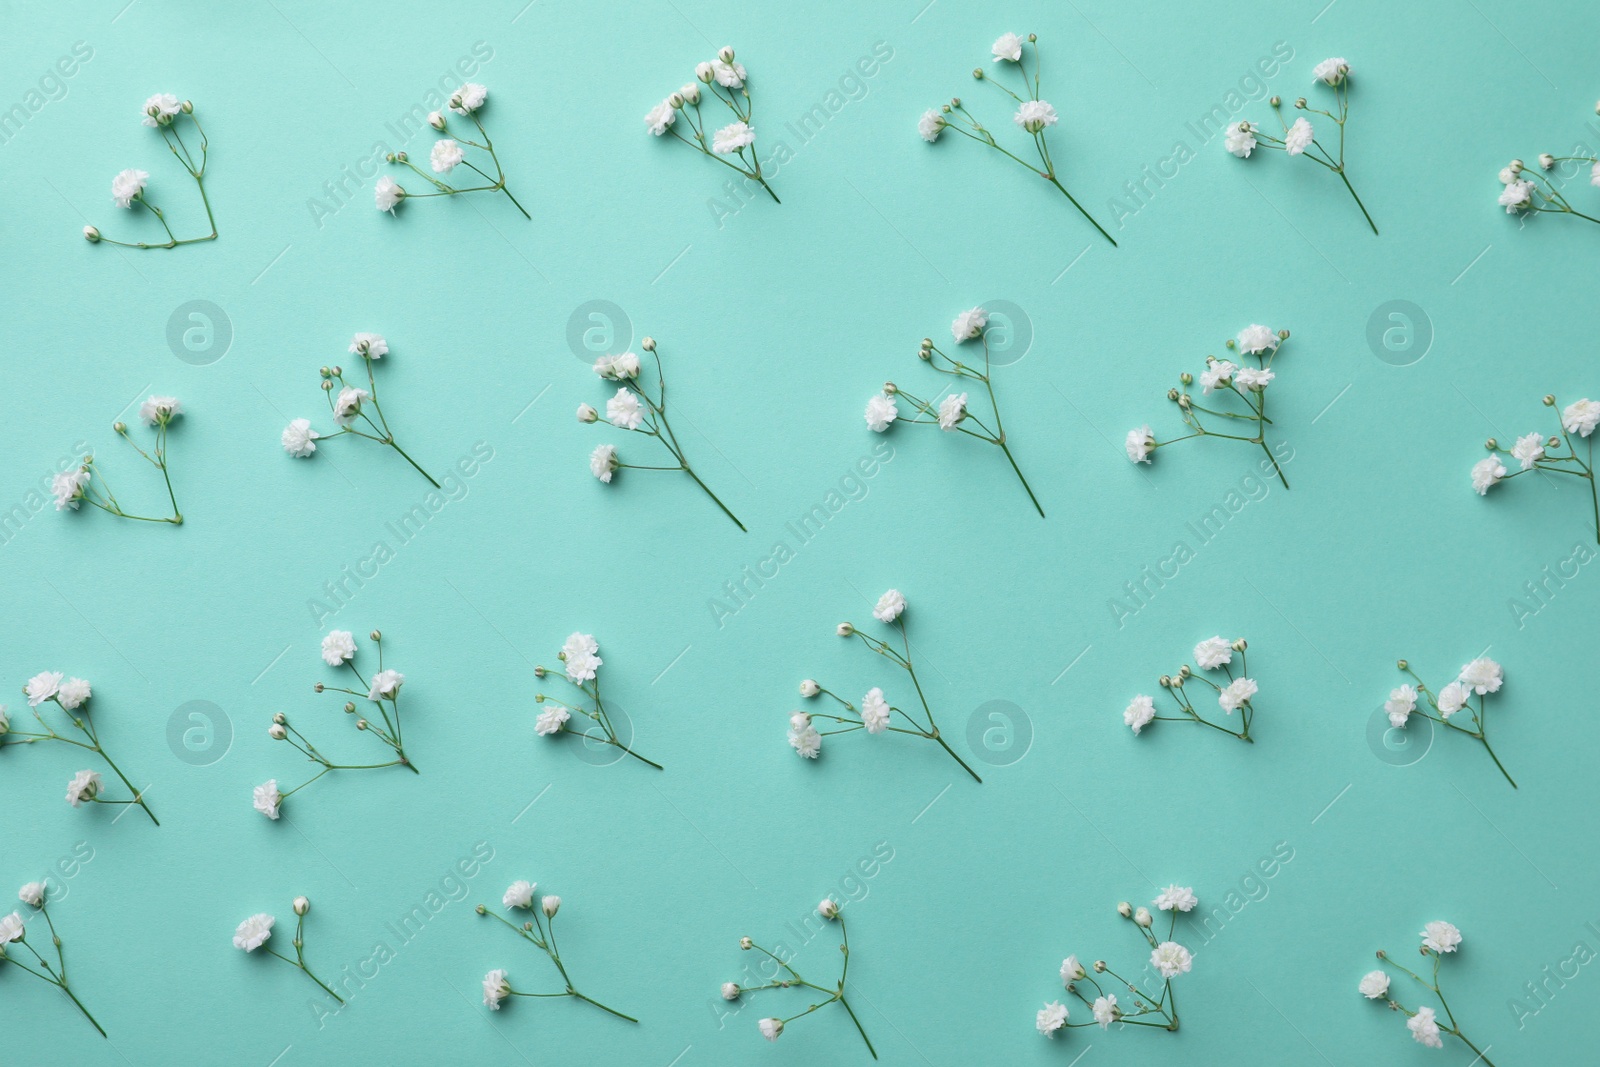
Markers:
{"x": 776, "y": 326}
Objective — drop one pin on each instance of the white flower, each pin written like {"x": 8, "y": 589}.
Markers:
{"x": 1482, "y": 675}
{"x": 386, "y": 685}
{"x": 1140, "y": 443}
{"x": 616, "y": 368}
{"x": 1171, "y": 959}
{"x": 495, "y": 988}
{"x": 881, "y": 411}
{"x": 952, "y": 409}
{"x": 85, "y": 785}
{"x": 808, "y": 688}
{"x": 32, "y": 894}
{"x": 68, "y": 488}
{"x": 551, "y": 720}
{"x": 1236, "y": 693}
{"x": 160, "y": 109}
{"x": 468, "y": 98}
{"x": 338, "y": 647}
{"x": 1374, "y": 984}
{"x": 730, "y": 990}
{"x": 1252, "y": 378}
{"x": 550, "y": 905}
{"x": 437, "y": 120}
{"x": 445, "y": 155}
{"x": 519, "y": 895}
{"x": 127, "y": 185}
{"x": 73, "y": 693}
{"x": 1071, "y": 970}
{"x": 1331, "y": 71}
{"x": 1035, "y": 115}
{"x": 387, "y": 193}
{"x": 828, "y": 909}
{"x": 805, "y": 740}
{"x": 1486, "y": 472}
{"x": 891, "y": 606}
{"x": 1528, "y": 450}
{"x": 624, "y": 410}
{"x": 931, "y": 125}
{"x": 253, "y": 932}
{"x": 1105, "y": 1011}
{"x": 1401, "y": 703}
{"x": 348, "y": 404}
{"x": 1299, "y": 137}
{"x": 370, "y": 345}
{"x": 660, "y": 117}
{"x": 1241, "y": 139}
{"x": 11, "y": 928}
{"x": 1516, "y": 196}
{"x": 771, "y": 1028}
{"x": 1052, "y": 1017}
{"x": 1256, "y": 338}
{"x": 1507, "y": 175}
{"x": 1452, "y": 698}
{"x": 1216, "y": 375}
{"x": 42, "y": 687}
{"x": 1176, "y": 898}
{"x": 1581, "y": 417}
{"x": 969, "y": 324}
{"x": 690, "y": 93}
{"x": 875, "y": 711}
{"x": 732, "y": 137}
{"x": 160, "y": 409}
{"x": 299, "y": 439}
{"x": 1425, "y": 1028}
{"x": 602, "y": 461}
{"x": 702, "y": 72}
{"x": 1142, "y": 917}
{"x": 728, "y": 75}
{"x": 1009, "y": 47}
{"x": 579, "y": 656}
{"x": 267, "y": 798}
{"x": 1212, "y": 653}
{"x": 1139, "y": 712}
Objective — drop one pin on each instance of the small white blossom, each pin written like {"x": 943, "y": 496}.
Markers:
{"x": 1235, "y": 694}
{"x": 369, "y": 345}
{"x": 969, "y": 324}
{"x": 952, "y": 409}
{"x": 1452, "y": 698}
{"x": 1401, "y": 703}
{"x": 73, "y": 694}
{"x": 624, "y": 410}
{"x": 1212, "y": 653}
{"x": 660, "y": 118}
{"x": 732, "y": 137}
{"x": 1139, "y": 712}
{"x": 1105, "y": 1010}
{"x": 158, "y": 409}
{"x": 1035, "y": 116}
{"x": 771, "y": 1028}
{"x": 42, "y": 687}
{"x": 602, "y": 461}
{"x": 347, "y": 405}
{"x": 931, "y": 125}
{"x": 68, "y": 488}
{"x": 550, "y": 905}
{"x": 1256, "y": 338}
{"x": 1140, "y": 443}
{"x": 468, "y": 98}
{"x": 1486, "y": 472}
{"x": 552, "y": 720}
{"x": 580, "y": 657}
{"x": 1252, "y": 378}
{"x": 1008, "y": 47}
{"x": 32, "y": 894}
{"x": 386, "y": 685}
{"x": 1240, "y": 139}
{"x": 161, "y": 109}
{"x": 253, "y": 932}
{"x": 875, "y": 711}
{"x": 1482, "y": 675}
{"x": 1528, "y": 450}
{"x": 1374, "y": 985}
{"x": 805, "y": 740}
{"x": 387, "y": 193}
{"x": 11, "y": 928}
{"x": 1171, "y": 959}
{"x": 1052, "y": 1017}
{"x": 299, "y": 439}
{"x": 519, "y": 895}
{"x": 1424, "y": 1026}
{"x": 1331, "y": 71}
{"x": 338, "y": 647}
{"x": 127, "y": 185}
{"x": 267, "y": 798}
{"x": 1581, "y": 417}
{"x": 1071, "y": 970}
{"x": 1298, "y": 138}
{"x": 1176, "y": 898}
{"x": 730, "y": 990}
{"x": 1217, "y": 375}
{"x": 495, "y": 988}
{"x": 446, "y": 155}
{"x": 728, "y": 75}
{"x": 1517, "y": 196}
{"x": 881, "y": 412}
{"x": 890, "y": 606}
{"x": 617, "y": 368}
{"x": 85, "y": 785}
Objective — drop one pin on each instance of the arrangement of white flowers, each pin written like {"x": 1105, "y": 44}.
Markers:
{"x": 1247, "y": 384}
{"x": 1212, "y": 654}
{"x": 580, "y": 662}
{"x": 1168, "y": 960}
{"x": 876, "y": 715}
{"x": 1535, "y": 451}
{"x": 951, "y": 413}
{"x": 14, "y": 937}
{"x": 162, "y": 112}
{"x": 382, "y": 692}
{"x": 1300, "y": 139}
{"x": 634, "y": 409}
{"x": 256, "y": 931}
{"x": 449, "y": 153}
{"x": 1528, "y": 192}
{"x": 351, "y": 406}
{"x": 1438, "y": 938}
{"x": 71, "y": 696}
{"x": 1481, "y": 676}
{"x": 539, "y": 930}
{"x": 1033, "y": 115}
{"x": 725, "y": 81}
{"x": 88, "y": 483}
{"x": 784, "y": 976}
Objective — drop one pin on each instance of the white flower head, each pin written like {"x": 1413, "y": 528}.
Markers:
{"x": 1105, "y": 1010}
{"x": 369, "y": 345}
{"x": 68, "y": 488}
{"x": 267, "y": 798}
{"x": 42, "y": 687}
{"x": 1176, "y": 898}
{"x": 1217, "y": 375}
{"x": 11, "y": 928}
{"x": 386, "y": 685}
{"x": 1051, "y": 1017}
{"x": 1401, "y": 703}
{"x": 881, "y": 412}
{"x": 1212, "y": 653}
{"x": 1008, "y": 47}
{"x": 969, "y": 324}
{"x": 1140, "y": 443}
{"x": 85, "y": 785}
{"x": 387, "y": 194}
{"x": 1171, "y": 959}
{"x": 805, "y": 740}
{"x": 127, "y": 185}
{"x": 1440, "y": 936}
{"x": 1139, "y": 712}
{"x": 875, "y": 711}
{"x": 550, "y": 905}
{"x": 161, "y": 109}
{"x": 446, "y": 155}
{"x": 1528, "y": 450}
{"x": 624, "y": 410}
{"x": 770, "y": 1028}
{"x": 1236, "y": 694}
{"x": 299, "y": 439}
{"x": 468, "y": 98}
{"x": 253, "y": 932}
{"x": 1299, "y": 137}
{"x": 1452, "y": 698}
{"x": 952, "y": 410}
{"x": 730, "y": 991}
{"x": 1257, "y": 338}
{"x": 160, "y": 409}
{"x": 891, "y": 606}
{"x": 32, "y": 894}
{"x": 1240, "y": 139}
{"x": 727, "y": 74}
{"x": 73, "y": 694}
{"x": 1331, "y": 71}
{"x": 1035, "y": 116}
{"x": 1071, "y": 970}
{"x": 1517, "y": 196}
{"x": 496, "y": 987}
{"x": 617, "y": 368}
{"x": 1252, "y": 378}
{"x": 733, "y": 137}
{"x": 931, "y": 125}
{"x": 347, "y": 405}
{"x": 1486, "y": 472}
{"x": 1482, "y": 675}
{"x": 552, "y": 720}
{"x": 338, "y": 647}
{"x": 603, "y": 461}
{"x": 519, "y": 895}
{"x": 828, "y": 909}
{"x": 660, "y": 117}
{"x": 690, "y": 93}
{"x": 1424, "y": 1026}
{"x": 579, "y": 654}
{"x": 1374, "y": 985}
{"x": 1581, "y": 417}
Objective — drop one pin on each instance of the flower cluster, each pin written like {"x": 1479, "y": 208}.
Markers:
{"x": 448, "y": 153}
{"x": 538, "y": 930}
{"x": 162, "y": 112}
{"x": 14, "y": 940}
{"x": 1478, "y": 678}
{"x": 1530, "y": 192}
{"x": 780, "y": 974}
{"x": 382, "y": 692}
{"x": 1232, "y": 384}
{"x": 725, "y": 82}
{"x": 86, "y": 482}
{"x": 1300, "y": 139}
{"x": 1558, "y": 455}
{"x": 580, "y": 662}
{"x": 1438, "y": 940}
{"x": 1168, "y": 960}
{"x": 71, "y": 698}
{"x": 951, "y": 414}
{"x": 352, "y": 407}
{"x": 633, "y": 408}
{"x": 256, "y": 931}
{"x": 1212, "y": 654}
{"x": 1033, "y": 116}
{"x": 875, "y": 715}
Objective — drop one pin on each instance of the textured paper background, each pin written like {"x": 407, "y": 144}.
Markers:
{"x": 777, "y": 325}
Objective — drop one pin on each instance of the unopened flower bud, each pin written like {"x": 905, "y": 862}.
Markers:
{"x": 1184, "y": 671}
{"x": 1185, "y": 401}
{"x": 1142, "y": 917}
{"x": 587, "y": 413}
{"x": 746, "y": 944}
{"x": 730, "y": 991}
{"x": 119, "y": 426}
{"x": 1125, "y": 910}
{"x": 1491, "y": 444}
{"x": 844, "y": 629}
{"x": 277, "y": 732}
{"x": 890, "y": 388}
{"x": 1165, "y": 681}
{"x": 550, "y": 905}
{"x": 437, "y": 121}
{"x": 317, "y": 688}
{"x": 349, "y": 707}
{"x": 648, "y": 344}
{"x": 702, "y": 71}
{"x": 1402, "y": 664}
{"x": 91, "y": 235}
{"x": 1032, "y": 37}
{"x": 1300, "y": 103}
{"x": 376, "y": 635}
{"x": 977, "y": 72}
{"x": 187, "y": 107}
{"x": 1230, "y": 343}
{"x": 1517, "y": 166}
{"x": 481, "y": 910}
{"x": 361, "y": 724}
{"x": 1549, "y": 400}
{"x": 1240, "y": 645}
{"x": 725, "y": 53}
{"x": 1172, "y": 394}
{"x": 539, "y": 672}
{"x": 1099, "y": 966}
{"x": 809, "y": 688}
{"x": 1546, "y": 160}
{"x": 326, "y": 385}
{"x": 280, "y": 718}
{"x": 676, "y": 100}
{"x": 1276, "y": 101}
{"x": 301, "y": 905}
{"x": 828, "y": 909}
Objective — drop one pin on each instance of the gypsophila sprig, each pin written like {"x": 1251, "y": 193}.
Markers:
{"x": 875, "y": 715}
{"x": 380, "y": 694}
{"x": 256, "y": 931}
{"x": 1300, "y": 139}
{"x": 448, "y": 153}
{"x": 87, "y": 483}
{"x": 580, "y": 663}
{"x": 775, "y": 972}
{"x": 1438, "y": 940}
{"x": 725, "y": 82}
{"x": 14, "y": 942}
{"x": 1476, "y": 680}
{"x": 951, "y": 412}
{"x": 1213, "y": 656}
{"x": 355, "y": 410}
{"x": 635, "y": 409}
{"x": 539, "y": 930}
{"x": 71, "y": 697}
{"x": 1168, "y": 960}
{"x": 1557, "y": 455}
{"x": 1528, "y": 191}
{"x": 1033, "y": 116}
{"x": 1242, "y": 388}
{"x": 165, "y": 113}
